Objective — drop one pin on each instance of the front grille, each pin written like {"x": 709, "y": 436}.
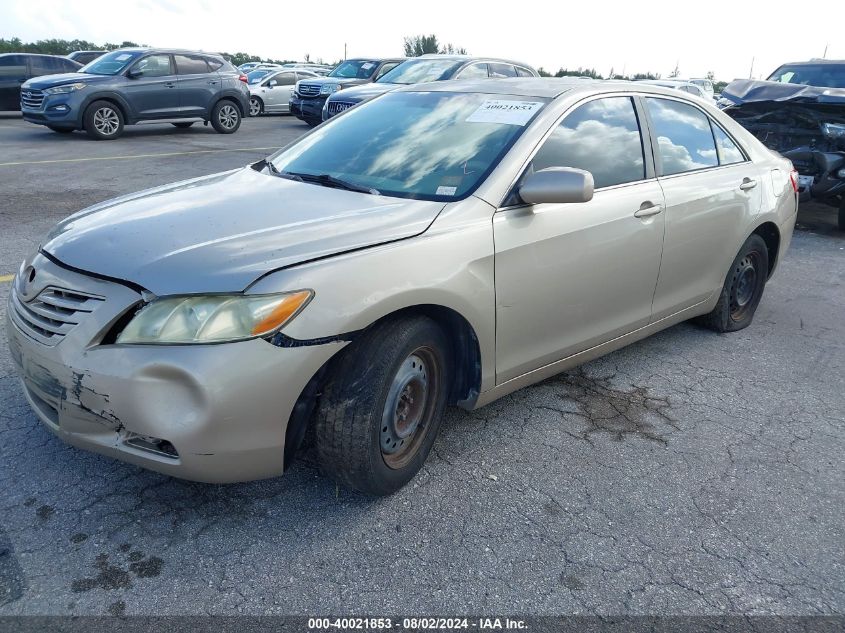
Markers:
{"x": 32, "y": 99}
{"x": 53, "y": 313}
{"x": 309, "y": 90}
{"x": 336, "y": 107}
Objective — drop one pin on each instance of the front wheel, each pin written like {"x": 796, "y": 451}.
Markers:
{"x": 743, "y": 288}
{"x": 103, "y": 121}
{"x": 225, "y": 117}
{"x": 382, "y": 405}
{"x": 256, "y": 106}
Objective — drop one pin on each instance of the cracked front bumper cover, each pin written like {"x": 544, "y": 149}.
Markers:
{"x": 224, "y": 408}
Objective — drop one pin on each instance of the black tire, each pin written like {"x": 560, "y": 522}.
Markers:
{"x": 367, "y": 405}
{"x": 225, "y": 117}
{"x": 841, "y": 220}
{"x": 743, "y": 288}
{"x": 61, "y": 130}
{"x": 183, "y": 124}
{"x": 103, "y": 121}
{"x": 312, "y": 122}
{"x": 256, "y": 106}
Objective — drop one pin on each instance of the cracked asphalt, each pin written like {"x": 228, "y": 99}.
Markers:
{"x": 690, "y": 473}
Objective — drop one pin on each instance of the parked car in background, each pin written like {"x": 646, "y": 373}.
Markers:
{"x": 17, "y": 68}
{"x": 319, "y": 69}
{"x": 254, "y": 76}
{"x": 272, "y": 92}
{"x": 705, "y": 85}
{"x": 139, "y": 84}
{"x": 247, "y": 67}
{"x": 678, "y": 84}
{"x": 425, "y": 69}
{"x": 85, "y": 57}
{"x": 445, "y": 244}
{"x": 799, "y": 111}
{"x": 309, "y": 96}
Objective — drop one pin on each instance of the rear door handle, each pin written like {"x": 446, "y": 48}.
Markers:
{"x": 747, "y": 184}
{"x": 648, "y": 209}
{"x": 213, "y": 82}
{"x": 170, "y": 84}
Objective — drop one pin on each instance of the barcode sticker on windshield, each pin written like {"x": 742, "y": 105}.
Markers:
{"x": 446, "y": 191}
{"x": 504, "y": 111}
{"x": 123, "y": 57}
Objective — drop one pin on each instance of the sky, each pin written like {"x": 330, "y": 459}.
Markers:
{"x": 650, "y": 36}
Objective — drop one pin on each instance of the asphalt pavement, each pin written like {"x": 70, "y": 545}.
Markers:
{"x": 690, "y": 473}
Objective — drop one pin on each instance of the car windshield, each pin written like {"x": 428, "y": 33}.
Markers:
{"x": 254, "y": 76}
{"x": 425, "y": 145}
{"x": 824, "y": 75}
{"x": 421, "y": 71}
{"x": 358, "y": 69}
{"x": 111, "y": 63}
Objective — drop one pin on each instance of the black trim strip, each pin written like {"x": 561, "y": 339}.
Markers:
{"x": 282, "y": 340}
{"x": 88, "y": 273}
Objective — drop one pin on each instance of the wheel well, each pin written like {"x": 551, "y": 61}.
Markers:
{"x": 771, "y": 236}
{"x": 112, "y": 101}
{"x": 234, "y": 103}
{"x": 465, "y": 387}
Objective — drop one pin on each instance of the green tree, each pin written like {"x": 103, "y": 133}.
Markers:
{"x": 417, "y": 45}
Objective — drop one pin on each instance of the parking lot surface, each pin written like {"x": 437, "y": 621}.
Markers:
{"x": 690, "y": 473}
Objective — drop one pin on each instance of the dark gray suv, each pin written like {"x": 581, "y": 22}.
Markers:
{"x": 139, "y": 84}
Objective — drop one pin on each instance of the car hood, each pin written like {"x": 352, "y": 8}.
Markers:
{"x": 365, "y": 92}
{"x": 49, "y": 81}
{"x": 323, "y": 81}
{"x": 747, "y": 91}
{"x": 220, "y": 233}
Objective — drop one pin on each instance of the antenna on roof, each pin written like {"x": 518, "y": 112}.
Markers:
{"x": 825, "y": 50}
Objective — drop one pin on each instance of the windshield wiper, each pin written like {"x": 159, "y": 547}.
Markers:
{"x": 280, "y": 174}
{"x": 328, "y": 180}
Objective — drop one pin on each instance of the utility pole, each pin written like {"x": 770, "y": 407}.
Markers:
{"x": 825, "y": 51}
{"x": 344, "y": 51}
{"x": 751, "y": 72}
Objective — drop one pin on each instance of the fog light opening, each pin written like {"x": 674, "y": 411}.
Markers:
{"x": 152, "y": 445}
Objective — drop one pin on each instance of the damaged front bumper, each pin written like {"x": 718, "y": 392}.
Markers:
{"x": 821, "y": 174}
{"x": 212, "y": 413}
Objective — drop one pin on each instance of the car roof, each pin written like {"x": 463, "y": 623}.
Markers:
{"x": 470, "y": 58}
{"x": 172, "y": 51}
{"x": 542, "y": 87}
{"x": 375, "y": 59}
{"x": 814, "y": 62}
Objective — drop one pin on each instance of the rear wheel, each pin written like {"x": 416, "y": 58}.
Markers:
{"x": 256, "y": 106}
{"x": 743, "y": 288}
{"x": 225, "y": 117}
{"x": 184, "y": 124}
{"x": 382, "y": 405}
{"x": 103, "y": 121}
{"x": 61, "y": 130}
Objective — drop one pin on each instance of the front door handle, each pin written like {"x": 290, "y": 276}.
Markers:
{"x": 213, "y": 82}
{"x": 747, "y": 184}
{"x": 170, "y": 84}
{"x": 648, "y": 209}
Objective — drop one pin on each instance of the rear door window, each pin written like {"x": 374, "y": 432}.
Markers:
{"x": 190, "y": 65}
{"x": 501, "y": 70}
{"x": 603, "y": 137}
{"x": 684, "y": 138}
{"x": 13, "y": 67}
{"x": 523, "y": 72}
{"x": 729, "y": 153}
{"x": 214, "y": 64}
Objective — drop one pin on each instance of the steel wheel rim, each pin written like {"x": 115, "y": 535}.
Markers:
{"x": 409, "y": 408}
{"x": 254, "y": 108}
{"x": 106, "y": 121}
{"x": 228, "y": 116}
{"x": 744, "y": 285}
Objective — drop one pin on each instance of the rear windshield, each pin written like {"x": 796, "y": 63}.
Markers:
{"x": 421, "y": 71}
{"x": 425, "y": 145}
{"x": 111, "y": 63}
{"x": 357, "y": 69}
{"x": 824, "y": 75}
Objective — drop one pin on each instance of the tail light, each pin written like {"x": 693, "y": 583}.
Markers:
{"x": 243, "y": 79}
{"x": 793, "y": 178}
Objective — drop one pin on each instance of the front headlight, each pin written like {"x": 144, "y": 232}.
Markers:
{"x": 833, "y": 130}
{"x": 213, "y": 318}
{"x": 58, "y": 90}
{"x": 328, "y": 89}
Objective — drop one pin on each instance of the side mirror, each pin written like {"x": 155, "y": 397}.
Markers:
{"x": 273, "y": 83}
{"x": 135, "y": 73}
{"x": 557, "y": 185}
